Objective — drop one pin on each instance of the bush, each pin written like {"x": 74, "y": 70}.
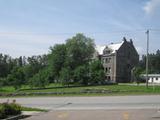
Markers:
{"x": 40, "y": 80}
{"x": 7, "y": 109}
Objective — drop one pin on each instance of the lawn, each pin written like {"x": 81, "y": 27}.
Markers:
{"x": 57, "y": 89}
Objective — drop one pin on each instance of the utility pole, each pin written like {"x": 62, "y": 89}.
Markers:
{"x": 147, "y": 58}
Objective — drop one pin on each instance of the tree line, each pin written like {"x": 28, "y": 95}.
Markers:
{"x": 154, "y": 65}
{"x": 68, "y": 63}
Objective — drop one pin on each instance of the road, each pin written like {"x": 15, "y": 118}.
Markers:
{"x": 143, "y": 114}
{"x": 90, "y": 103}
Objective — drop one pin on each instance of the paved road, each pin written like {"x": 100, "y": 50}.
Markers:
{"x": 143, "y": 114}
{"x": 90, "y": 103}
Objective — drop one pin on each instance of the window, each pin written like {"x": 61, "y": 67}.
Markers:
{"x": 109, "y": 70}
{"x": 107, "y": 60}
{"x": 107, "y": 51}
{"x": 106, "y": 70}
{"x": 152, "y": 79}
{"x": 109, "y": 78}
{"x": 156, "y": 78}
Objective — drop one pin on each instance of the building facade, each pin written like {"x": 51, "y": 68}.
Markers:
{"x": 118, "y": 60}
{"x": 152, "y": 78}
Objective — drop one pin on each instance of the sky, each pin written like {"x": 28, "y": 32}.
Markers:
{"x": 30, "y": 27}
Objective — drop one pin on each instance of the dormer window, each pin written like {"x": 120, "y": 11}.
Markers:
{"x": 107, "y": 51}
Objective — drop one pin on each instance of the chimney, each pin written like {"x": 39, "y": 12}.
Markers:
{"x": 124, "y": 39}
{"x": 131, "y": 41}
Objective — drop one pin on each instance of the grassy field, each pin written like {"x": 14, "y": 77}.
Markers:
{"x": 122, "y": 89}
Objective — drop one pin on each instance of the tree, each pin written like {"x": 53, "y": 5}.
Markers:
{"x": 35, "y": 64}
{"x": 137, "y": 71}
{"x": 57, "y": 59}
{"x": 67, "y": 58}
{"x": 6, "y": 65}
{"x": 65, "y": 76}
{"x": 154, "y": 62}
{"x": 97, "y": 75}
{"x": 40, "y": 79}
{"x": 16, "y": 78}
{"x": 81, "y": 75}
{"x": 80, "y": 50}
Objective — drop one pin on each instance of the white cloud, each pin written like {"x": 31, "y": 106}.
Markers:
{"x": 152, "y": 7}
{"x": 28, "y": 44}
{"x": 140, "y": 50}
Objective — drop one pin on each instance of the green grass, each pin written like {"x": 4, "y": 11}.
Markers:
{"x": 122, "y": 89}
{"x": 7, "y": 89}
{"x": 32, "y": 109}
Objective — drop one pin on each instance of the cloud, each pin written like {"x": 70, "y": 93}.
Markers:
{"x": 152, "y": 7}
{"x": 140, "y": 50}
{"x": 27, "y": 44}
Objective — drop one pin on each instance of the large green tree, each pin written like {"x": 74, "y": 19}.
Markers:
{"x": 80, "y": 50}
{"x": 68, "y": 57}
{"x": 57, "y": 57}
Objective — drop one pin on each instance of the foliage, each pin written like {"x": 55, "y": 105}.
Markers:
{"x": 97, "y": 75}
{"x": 3, "y": 82}
{"x": 57, "y": 59}
{"x": 69, "y": 61}
{"x": 40, "y": 79}
{"x": 154, "y": 62}
{"x": 16, "y": 78}
{"x": 35, "y": 64}
{"x": 65, "y": 76}
{"x": 81, "y": 75}
{"x": 137, "y": 74}
{"x": 7, "y": 109}
{"x": 6, "y": 65}
{"x": 80, "y": 50}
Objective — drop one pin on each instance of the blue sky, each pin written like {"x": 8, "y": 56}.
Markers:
{"x": 30, "y": 27}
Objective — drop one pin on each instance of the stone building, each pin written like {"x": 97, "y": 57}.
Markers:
{"x": 118, "y": 60}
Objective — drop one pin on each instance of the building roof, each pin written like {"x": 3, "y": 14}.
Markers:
{"x": 151, "y": 75}
{"x": 112, "y": 46}
{"x": 115, "y": 46}
{"x": 100, "y": 48}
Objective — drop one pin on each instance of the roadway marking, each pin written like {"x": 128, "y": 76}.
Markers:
{"x": 126, "y": 116}
{"x": 63, "y": 115}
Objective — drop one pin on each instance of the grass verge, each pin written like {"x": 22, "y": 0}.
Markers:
{"x": 103, "y": 90}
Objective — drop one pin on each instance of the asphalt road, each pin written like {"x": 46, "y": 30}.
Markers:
{"x": 140, "y": 114}
{"x": 90, "y": 103}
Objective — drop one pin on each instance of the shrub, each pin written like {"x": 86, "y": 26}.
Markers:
{"x": 7, "y": 109}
